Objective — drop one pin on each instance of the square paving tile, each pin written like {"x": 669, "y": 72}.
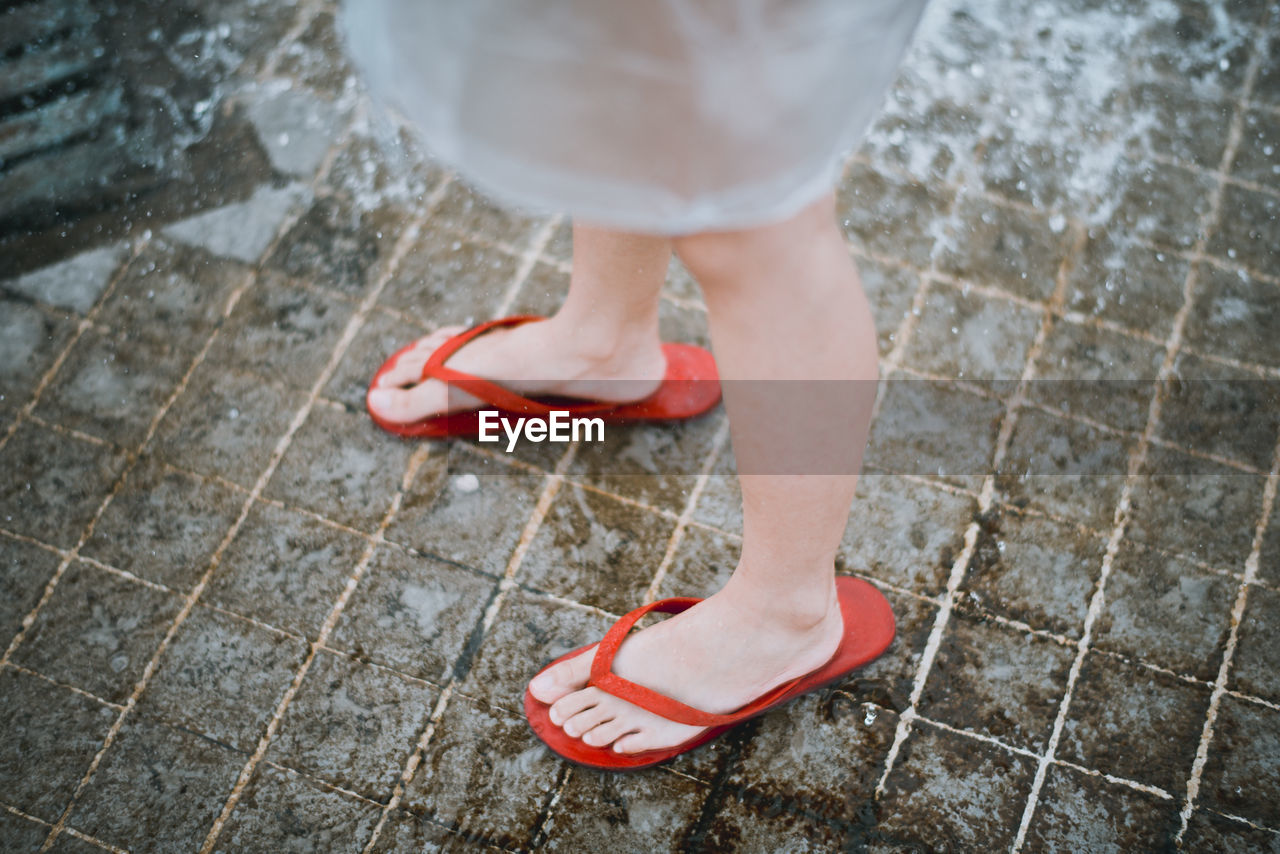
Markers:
{"x": 1065, "y": 468}
{"x": 468, "y": 509}
{"x": 1134, "y": 723}
{"x": 596, "y": 550}
{"x": 316, "y": 59}
{"x": 923, "y": 131}
{"x": 54, "y": 483}
{"x": 1168, "y": 115}
{"x": 702, "y": 564}
{"x": 1248, "y": 231}
{"x": 446, "y": 279}
{"x": 529, "y": 633}
{"x": 283, "y": 331}
{"x": 741, "y": 826}
{"x": 599, "y": 811}
{"x": 1219, "y": 410}
{"x": 1242, "y": 776}
{"x": 1269, "y": 556}
{"x": 720, "y": 504}
{"x": 486, "y": 774}
{"x": 947, "y": 790}
{"x": 164, "y": 525}
{"x": 30, "y": 341}
{"x": 1118, "y": 279}
{"x": 654, "y": 464}
{"x": 98, "y": 631}
{"x": 222, "y": 677}
{"x": 971, "y": 336}
{"x": 1206, "y": 46}
{"x": 992, "y": 680}
{"x": 285, "y": 569}
{"x": 1235, "y": 316}
{"x": 353, "y": 724}
{"x": 351, "y": 481}
{"x": 892, "y": 216}
{"x": 1256, "y": 667}
{"x": 928, "y": 428}
{"x": 889, "y": 679}
{"x": 337, "y": 245}
{"x": 172, "y": 297}
{"x": 284, "y": 811}
{"x": 1098, "y": 374}
{"x": 1081, "y": 812}
{"x": 382, "y": 334}
{"x": 466, "y": 211}
{"x": 904, "y": 532}
{"x": 1160, "y": 203}
{"x": 413, "y": 613}
{"x": 112, "y": 389}
{"x": 1258, "y": 157}
{"x": 76, "y": 283}
{"x": 1197, "y": 508}
{"x": 1035, "y": 570}
{"x": 226, "y": 424}
{"x": 408, "y": 833}
{"x": 157, "y": 789}
{"x": 890, "y": 290}
{"x": 1208, "y": 831}
{"x": 1010, "y": 248}
{"x": 822, "y": 754}
{"x": 67, "y": 843}
{"x": 542, "y": 291}
{"x": 1166, "y": 611}
{"x": 20, "y": 834}
{"x": 48, "y": 737}
{"x": 24, "y": 571}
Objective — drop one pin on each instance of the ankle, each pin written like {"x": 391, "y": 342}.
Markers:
{"x": 607, "y": 344}
{"x": 795, "y": 609}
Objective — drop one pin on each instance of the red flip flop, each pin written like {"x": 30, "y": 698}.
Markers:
{"x": 869, "y": 629}
{"x": 691, "y": 387}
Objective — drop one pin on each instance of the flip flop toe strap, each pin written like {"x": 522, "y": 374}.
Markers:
{"x": 487, "y": 390}
{"x": 603, "y": 677}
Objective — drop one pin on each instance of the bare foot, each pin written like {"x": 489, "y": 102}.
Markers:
{"x": 542, "y": 358}
{"x": 718, "y": 656}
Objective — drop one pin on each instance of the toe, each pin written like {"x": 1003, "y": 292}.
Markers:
{"x": 404, "y": 406}
{"x": 588, "y": 720}
{"x": 407, "y": 369}
{"x": 635, "y": 742}
{"x": 606, "y": 733}
{"x": 573, "y": 704}
{"x": 561, "y": 679}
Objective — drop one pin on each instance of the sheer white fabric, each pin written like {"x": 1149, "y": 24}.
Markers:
{"x": 663, "y": 116}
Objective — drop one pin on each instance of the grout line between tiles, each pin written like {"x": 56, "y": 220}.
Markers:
{"x": 82, "y": 326}
{"x": 1228, "y": 655}
{"x": 190, "y": 599}
{"x": 986, "y": 500}
{"x": 528, "y": 258}
{"x": 1138, "y": 458}
{"x": 353, "y": 327}
{"x": 550, "y": 488}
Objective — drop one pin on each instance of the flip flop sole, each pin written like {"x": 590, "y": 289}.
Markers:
{"x": 690, "y": 388}
{"x": 869, "y": 630}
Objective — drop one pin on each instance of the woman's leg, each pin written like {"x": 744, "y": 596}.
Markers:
{"x": 606, "y": 331}
{"x": 785, "y": 304}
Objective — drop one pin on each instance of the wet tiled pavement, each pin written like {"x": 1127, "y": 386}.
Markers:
{"x": 237, "y": 617}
